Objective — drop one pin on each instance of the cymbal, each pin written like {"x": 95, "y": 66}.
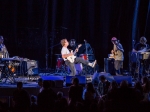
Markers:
{"x": 57, "y": 54}
{"x": 86, "y": 54}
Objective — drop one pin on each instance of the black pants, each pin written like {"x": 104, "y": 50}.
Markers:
{"x": 72, "y": 66}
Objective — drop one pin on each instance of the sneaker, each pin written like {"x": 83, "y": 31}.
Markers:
{"x": 93, "y": 64}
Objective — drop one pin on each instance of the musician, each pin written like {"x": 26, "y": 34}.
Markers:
{"x": 140, "y": 48}
{"x": 84, "y": 49}
{"x": 72, "y": 44}
{"x": 118, "y": 55}
{"x": 3, "y": 48}
{"x": 66, "y": 53}
{"x": 3, "y": 54}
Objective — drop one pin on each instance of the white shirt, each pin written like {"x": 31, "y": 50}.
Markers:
{"x": 64, "y": 50}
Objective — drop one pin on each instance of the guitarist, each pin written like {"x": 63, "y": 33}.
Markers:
{"x": 66, "y": 53}
{"x": 118, "y": 55}
{"x": 139, "y": 48}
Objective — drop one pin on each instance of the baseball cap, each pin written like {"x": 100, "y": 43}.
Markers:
{"x": 113, "y": 38}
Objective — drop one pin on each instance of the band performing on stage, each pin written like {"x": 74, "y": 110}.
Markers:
{"x": 79, "y": 59}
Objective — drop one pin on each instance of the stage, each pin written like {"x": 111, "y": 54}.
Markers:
{"x": 61, "y": 83}
{"x": 31, "y": 85}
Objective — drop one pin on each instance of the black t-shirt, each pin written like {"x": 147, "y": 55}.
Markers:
{"x": 140, "y": 46}
{"x": 73, "y": 47}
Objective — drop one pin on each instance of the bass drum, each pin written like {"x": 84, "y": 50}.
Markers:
{"x": 84, "y": 56}
{"x": 60, "y": 63}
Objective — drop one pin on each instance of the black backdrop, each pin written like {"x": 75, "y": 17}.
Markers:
{"x": 31, "y": 27}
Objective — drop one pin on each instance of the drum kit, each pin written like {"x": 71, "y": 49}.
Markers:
{"x": 81, "y": 69}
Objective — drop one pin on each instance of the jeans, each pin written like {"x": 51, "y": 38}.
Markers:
{"x": 72, "y": 66}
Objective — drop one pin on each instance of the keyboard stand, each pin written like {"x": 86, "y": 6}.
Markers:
{"x": 6, "y": 71}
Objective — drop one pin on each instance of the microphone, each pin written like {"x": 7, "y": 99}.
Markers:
{"x": 133, "y": 41}
{"x": 85, "y": 40}
{"x": 63, "y": 27}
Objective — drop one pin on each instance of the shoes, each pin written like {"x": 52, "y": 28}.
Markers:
{"x": 93, "y": 64}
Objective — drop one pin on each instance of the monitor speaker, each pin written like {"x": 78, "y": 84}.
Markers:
{"x": 55, "y": 81}
{"x": 82, "y": 80}
{"x": 109, "y": 66}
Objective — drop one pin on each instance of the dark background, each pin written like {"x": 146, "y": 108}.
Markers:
{"x": 31, "y": 27}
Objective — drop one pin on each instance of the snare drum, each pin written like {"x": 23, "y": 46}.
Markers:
{"x": 60, "y": 63}
{"x": 84, "y": 56}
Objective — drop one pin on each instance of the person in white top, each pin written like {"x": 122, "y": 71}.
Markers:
{"x": 66, "y": 53}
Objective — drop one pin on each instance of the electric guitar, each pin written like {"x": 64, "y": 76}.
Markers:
{"x": 144, "y": 50}
{"x": 71, "y": 58}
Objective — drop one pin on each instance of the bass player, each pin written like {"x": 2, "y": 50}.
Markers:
{"x": 70, "y": 59}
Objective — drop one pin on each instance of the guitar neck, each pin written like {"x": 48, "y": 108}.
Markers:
{"x": 74, "y": 52}
{"x": 76, "y": 49}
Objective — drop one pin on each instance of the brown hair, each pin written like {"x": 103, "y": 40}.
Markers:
{"x": 143, "y": 40}
{"x": 63, "y": 42}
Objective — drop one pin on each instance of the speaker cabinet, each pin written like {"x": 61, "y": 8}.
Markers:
{"x": 32, "y": 67}
{"x": 55, "y": 81}
{"x": 109, "y": 66}
{"x": 82, "y": 80}
{"x": 119, "y": 79}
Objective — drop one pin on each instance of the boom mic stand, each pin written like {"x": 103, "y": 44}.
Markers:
{"x": 51, "y": 55}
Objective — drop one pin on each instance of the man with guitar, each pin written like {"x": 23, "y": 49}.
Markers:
{"x": 118, "y": 55}
{"x": 140, "y": 48}
{"x": 70, "y": 59}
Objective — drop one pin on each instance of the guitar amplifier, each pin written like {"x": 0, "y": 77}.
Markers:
{"x": 109, "y": 66}
{"x": 32, "y": 67}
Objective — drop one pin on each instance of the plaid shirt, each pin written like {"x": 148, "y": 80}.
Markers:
{"x": 103, "y": 88}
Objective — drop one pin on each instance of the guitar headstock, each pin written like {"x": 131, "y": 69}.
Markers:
{"x": 79, "y": 45}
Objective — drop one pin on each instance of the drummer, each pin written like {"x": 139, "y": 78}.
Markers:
{"x": 73, "y": 45}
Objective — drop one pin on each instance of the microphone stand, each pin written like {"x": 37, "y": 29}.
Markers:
{"x": 51, "y": 55}
{"x": 86, "y": 49}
